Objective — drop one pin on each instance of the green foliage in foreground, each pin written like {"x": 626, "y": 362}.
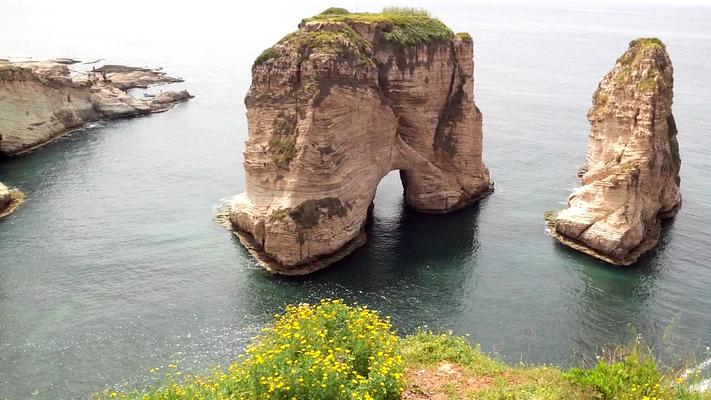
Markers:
{"x": 629, "y": 373}
{"x": 632, "y": 373}
{"x": 334, "y": 351}
{"x": 325, "y": 351}
{"x": 426, "y": 349}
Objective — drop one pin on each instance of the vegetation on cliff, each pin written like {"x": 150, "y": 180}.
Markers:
{"x": 464, "y": 36}
{"x": 647, "y": 79}
{"x": 630, "y": 70}
{"x": 334, "y": 351}
{"x": 402, "y": 26}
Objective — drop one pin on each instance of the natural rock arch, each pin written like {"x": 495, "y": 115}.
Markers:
{"x": 336, "y": 106}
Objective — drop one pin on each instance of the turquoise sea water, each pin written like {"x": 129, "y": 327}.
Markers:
{"x": 114, "y": 266}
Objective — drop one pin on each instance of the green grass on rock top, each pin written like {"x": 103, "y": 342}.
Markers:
{"x": 405, "y": 27}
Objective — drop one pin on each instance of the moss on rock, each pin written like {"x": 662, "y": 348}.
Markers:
{"x": 339, "y": 39}
{"x": 464, "y": 36}
{"x": 267, "y": 54}
{"x": 639, "y": 50}
{"x": 404, "y": 26}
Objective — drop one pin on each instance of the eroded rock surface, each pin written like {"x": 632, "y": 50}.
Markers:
{"x": 4, "y": 196}
{"x": 40, "y": 101}
{"x": 632, "y": 177}
{"x": 334, "y": 107}
{"x": 10, "y": 200}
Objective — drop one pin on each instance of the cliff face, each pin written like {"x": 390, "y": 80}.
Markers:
{"x": 632, "y": 177}
{"x": 42, "y": 100}
{"x": 332, "y": 109}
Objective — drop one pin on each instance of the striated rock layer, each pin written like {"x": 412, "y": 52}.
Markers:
{"x": 40, "y": 101}
{"x": 332, "y": 109}
{"x": 632, "y": 177}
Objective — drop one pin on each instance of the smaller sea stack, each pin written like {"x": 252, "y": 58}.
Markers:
{"x": 10, "y": 199}
{"x": 631, "y": 181}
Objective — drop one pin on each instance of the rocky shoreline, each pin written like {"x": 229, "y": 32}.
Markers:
{"x": 45, "y": 100}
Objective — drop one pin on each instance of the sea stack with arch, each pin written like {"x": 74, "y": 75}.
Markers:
{"x": 334, "y": 107}
{"x": 631, "y": 181}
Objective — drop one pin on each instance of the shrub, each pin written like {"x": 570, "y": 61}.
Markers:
{"x": 267, "y": 54}
{"x": 629, "y": 373}
{"x": 335, "y": 10}
{"x": 407, "y": 26}
{"x": 406, "y": 11}
{"x": 282, "y": 149}
{"x": 464, "y": 36}
{"x": 325, "y": 351}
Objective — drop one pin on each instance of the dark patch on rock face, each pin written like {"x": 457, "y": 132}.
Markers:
{"x": 672, "y": 125}
{"x": 67, "y": 118}
{"x": 308, "y": 214}
{"x": 284, "y": 124}
{"x": 326, "y": 150}
{"x": 325, "y": 87}
{"x": 450, "y": 115}
{"x": 674, "y": 147}
{"x": 406, "y": 57}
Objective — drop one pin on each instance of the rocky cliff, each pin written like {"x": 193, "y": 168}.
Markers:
{"x": 40, "y": 101}
{"x": 631, "y": 181}
{"x": 334, "y": 107}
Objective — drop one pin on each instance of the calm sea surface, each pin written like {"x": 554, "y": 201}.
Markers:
{"x": 114, "y": 266}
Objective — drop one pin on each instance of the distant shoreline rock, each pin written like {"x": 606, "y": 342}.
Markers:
{"x": 336, "y": 106}
{"x": 631, "y": 181}
{"x": 44, "y": 100}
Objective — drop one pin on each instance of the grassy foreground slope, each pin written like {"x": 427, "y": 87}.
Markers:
{"x": 331, "y": 350}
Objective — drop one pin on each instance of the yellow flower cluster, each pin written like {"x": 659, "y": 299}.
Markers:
{"x": 324, "y": 351}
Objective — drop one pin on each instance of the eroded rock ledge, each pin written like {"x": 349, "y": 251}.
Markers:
{"x": 10, "y": 200}
{"x": 40, "y": 101}
{"x": 631, "y": 181}
{"x": 334, "y": 107}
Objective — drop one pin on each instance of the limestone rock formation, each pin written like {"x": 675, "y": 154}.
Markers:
{"x": 10, "y": 199}
{"x": 4, "y": 196}
{"x": 334, "y": 107}
{"x": 631, "y": 181}
{"x": 40, "y": 101}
